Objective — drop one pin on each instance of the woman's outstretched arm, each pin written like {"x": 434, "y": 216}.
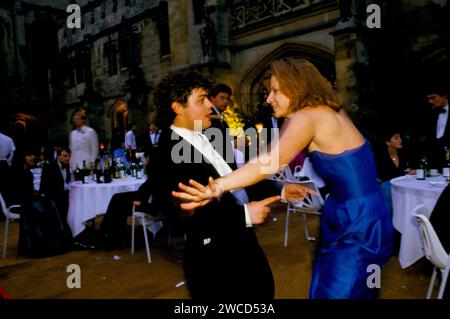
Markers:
{"x": 297, "y": 133}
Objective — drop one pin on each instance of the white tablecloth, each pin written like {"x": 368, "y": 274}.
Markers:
{"x": 89, "y": 200}
{"x": 407, "y": 194}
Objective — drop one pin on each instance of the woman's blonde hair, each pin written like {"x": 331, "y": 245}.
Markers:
{"x": 303, "y": 84}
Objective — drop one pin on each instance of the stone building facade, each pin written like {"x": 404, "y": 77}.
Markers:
{"x": 110, "y": 66}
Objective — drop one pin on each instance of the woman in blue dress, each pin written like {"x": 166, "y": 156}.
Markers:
{"x": 356, "y": 225}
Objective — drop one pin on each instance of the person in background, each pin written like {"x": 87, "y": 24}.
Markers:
{"x": 43, "y": 158}
{"x": 21, "y": 186}
{"x": 220, "y": 96}
{"x": 130, "y": 142}
{"x": 7, "y": 149}
{"x": 55, "y": 181}
{"x": 432, "y": 132}
{"x": 154, "y": 134}
{"x": 392, "y": 161}
{"x": 83, "y": 142}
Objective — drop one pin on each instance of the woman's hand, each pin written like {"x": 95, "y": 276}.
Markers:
{"x": 197, "y": 195}
{"x": 297, "y": 192}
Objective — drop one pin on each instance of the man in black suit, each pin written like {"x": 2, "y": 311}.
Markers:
{"x": 222, "y": 256}
{"x": 55, "y": 180}
{"x": 438, "y": 128}
{"x": 220, "y": 96}
{"x": 153, "y": 134}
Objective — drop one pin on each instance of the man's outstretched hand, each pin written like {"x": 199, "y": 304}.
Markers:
{"x": 259, "y": 210}
{"x": 197, "y": 195}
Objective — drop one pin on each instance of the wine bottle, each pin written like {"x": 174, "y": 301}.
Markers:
{"x": 77, "y": 174}
{"x": 140, "y": 170}
{"x": 97, "y": 176}
{"x": 85, "y": 173}
{"x": 133, "y": 169}
{"x": 422, "y": 170}
{"x": 121, "y": 169}
{"x": 107, "y": 173}
{"x": 446, "y": 168}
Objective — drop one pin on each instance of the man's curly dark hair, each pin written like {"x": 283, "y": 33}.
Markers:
{"x": 176, "y": 87}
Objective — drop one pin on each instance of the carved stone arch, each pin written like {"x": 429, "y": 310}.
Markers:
{"x": 254, "y": 82}
{"x": 27, "y": 131}
{"x": 119, "y": 120}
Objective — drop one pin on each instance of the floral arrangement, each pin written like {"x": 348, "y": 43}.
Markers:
{"x": 234, "y": 121}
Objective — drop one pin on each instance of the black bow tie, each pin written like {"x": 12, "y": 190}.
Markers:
{"x": 440, "y": 110}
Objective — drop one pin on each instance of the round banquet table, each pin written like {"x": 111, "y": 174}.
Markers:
{"x": 86, "y": 201}
{"x": 407, "y": 194}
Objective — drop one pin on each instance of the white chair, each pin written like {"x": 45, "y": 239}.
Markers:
{"x": 311, "y": 204}
{"x": 9, "y": 216}
{"x": 434, "y": 251}
{"x": 154, "y": 224}
{"x": 282, "y": 175}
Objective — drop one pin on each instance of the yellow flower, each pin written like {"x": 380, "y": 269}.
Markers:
{"x": 234, "y": 122}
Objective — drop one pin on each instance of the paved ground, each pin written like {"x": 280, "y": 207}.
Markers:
{"x": 118, "y": 274}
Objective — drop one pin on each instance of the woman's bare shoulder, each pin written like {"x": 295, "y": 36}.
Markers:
{"x": 315, "y": 113}
{"x": 301, "y": 117}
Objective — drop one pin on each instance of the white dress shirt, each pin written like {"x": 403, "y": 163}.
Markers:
{"x": 7, "y": 149}
{"x": 154, "y": 137}
{"x": 442, "y": 122}
{"x": 83, "y": 143}
{"x": 202, "y": 144}
{"x": 64, "y": 175}
{"x": 130, "y": 140}
{"x": 218, "y": 113}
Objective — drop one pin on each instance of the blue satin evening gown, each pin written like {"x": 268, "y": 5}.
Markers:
{"x": 356, "y": 226}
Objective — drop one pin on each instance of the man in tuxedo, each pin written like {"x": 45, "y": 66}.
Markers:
{"x": 438, "y": 129}
{"x": 222, "y": 256}
{"x": 154, "y": 134}
{"x": 55, "y": 180}
{"x": 220, "y": 96}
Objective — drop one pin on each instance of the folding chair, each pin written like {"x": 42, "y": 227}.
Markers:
{"x": 311, "y": 204}
{"x": 9, "y": 216}
{"x": 145, "y": 220}
{"x": 434, "y": 251}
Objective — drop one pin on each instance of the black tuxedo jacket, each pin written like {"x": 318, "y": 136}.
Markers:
{"x": 435, "y": 147}
{"x": 52, "y": 180}
{"x": 52, "y": 185}
{"x": 222, "y": 257}
{"x": 147, "y": 141}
